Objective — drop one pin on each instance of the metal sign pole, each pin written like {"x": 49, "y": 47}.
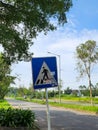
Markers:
{"x": 48, "y": 112}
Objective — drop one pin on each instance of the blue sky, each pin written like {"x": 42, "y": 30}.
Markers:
{"x": 82, "y": 26}
{"x": 85, "y": 12}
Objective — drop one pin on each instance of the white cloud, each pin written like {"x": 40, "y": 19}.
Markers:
{"x": 60, "y": 42}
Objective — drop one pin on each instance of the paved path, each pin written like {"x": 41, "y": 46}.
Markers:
{"x": 61, "y": 119}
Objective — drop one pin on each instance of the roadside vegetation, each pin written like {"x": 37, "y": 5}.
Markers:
{"x": 72, "y": 103}
{"x": 87, "y": 57}
{"x": 16, "y": 118}
{"x": 4, "y": 104}
{"x": 70, "y": 99}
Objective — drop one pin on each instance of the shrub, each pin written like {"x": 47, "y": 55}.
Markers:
{"x": 16, "y": 118}
{"x": 4, "y": 104}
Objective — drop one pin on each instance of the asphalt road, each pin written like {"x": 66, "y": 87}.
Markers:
{"x": 61, "y": 119}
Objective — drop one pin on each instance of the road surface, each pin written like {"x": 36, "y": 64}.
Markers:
{"x": 61, "y": 119}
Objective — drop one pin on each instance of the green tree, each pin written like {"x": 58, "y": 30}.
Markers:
{"x": 23, "y": 20}
{"x": 84, "y": 90}
{"x": 87, "y": 56}
{"x": 95, "y": 89}
{"x": 68, "y": 91}
{"x": 82, "y": 87}
{"x": 22, "y": 91}
{"x": 96, "y": 86}
{"x": 5, "y": 78}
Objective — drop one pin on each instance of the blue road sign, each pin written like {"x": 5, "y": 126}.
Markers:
{"x": 44, "y": 72}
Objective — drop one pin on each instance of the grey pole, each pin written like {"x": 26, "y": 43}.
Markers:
{"x": 59, "y": 78}
{"x": 48, "y": 112}
{"x": 59, "y": 75}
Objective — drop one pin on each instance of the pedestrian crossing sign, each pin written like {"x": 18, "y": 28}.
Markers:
{"x": 44, "y": 72}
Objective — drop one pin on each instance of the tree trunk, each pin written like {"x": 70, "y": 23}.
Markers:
{"x": 90, "y": 86}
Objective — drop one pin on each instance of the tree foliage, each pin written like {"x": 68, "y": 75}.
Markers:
{"x": 87, "y": 56}
{"x": 5, "y": 78}
{"x": 23, "y": 20}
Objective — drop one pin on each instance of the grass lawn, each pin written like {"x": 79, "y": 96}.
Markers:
{"x": 77, "y": 99}
{"x": 79, "y": 107}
